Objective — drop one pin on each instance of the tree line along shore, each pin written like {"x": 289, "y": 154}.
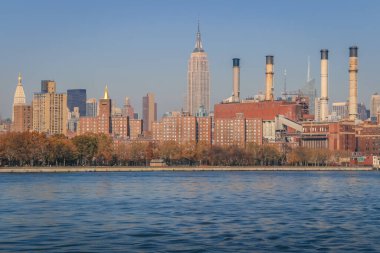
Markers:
{"x": 39, "y": 150}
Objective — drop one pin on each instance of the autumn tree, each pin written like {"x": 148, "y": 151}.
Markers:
{"x": 87, "y": 148}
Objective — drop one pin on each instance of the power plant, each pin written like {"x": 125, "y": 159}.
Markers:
{"x": 287, "y": 120}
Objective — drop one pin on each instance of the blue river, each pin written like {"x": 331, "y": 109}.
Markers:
{"x": 190, "y": 212}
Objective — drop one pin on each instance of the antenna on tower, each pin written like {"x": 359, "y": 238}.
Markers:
{"x": 308, "y": 69}
{"x": 285, "y": 92}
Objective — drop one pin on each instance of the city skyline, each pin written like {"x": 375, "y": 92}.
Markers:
{"x": 124, "y": 70}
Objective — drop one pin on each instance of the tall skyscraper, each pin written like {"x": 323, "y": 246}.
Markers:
{"x": 105, "y": 111}
{"x": 50, "y": 110}
{"x": 128, "y": 110}
{"x": 375, "y": 104}
{"x": 77, "y": 98}
{"x": 149, "y": 111}
{"x": 198, "y": 78}
{"x": 91, "y": 107}
{"x": 19, "y": 97}
{"x": 309, "y": 90}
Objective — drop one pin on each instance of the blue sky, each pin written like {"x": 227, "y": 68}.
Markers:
{"x": 143, "y": 46}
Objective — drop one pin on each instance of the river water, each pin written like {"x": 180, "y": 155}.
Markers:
{"x": 190, "y": 212}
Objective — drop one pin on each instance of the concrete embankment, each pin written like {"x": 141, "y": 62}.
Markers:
{"x": 148, "y": 169}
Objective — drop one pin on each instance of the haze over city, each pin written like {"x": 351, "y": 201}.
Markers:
{"x": 143, "y": 46}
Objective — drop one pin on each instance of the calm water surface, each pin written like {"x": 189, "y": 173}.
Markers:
{"x": 190, "y": 212}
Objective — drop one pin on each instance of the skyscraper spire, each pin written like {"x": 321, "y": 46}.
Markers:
{"x": 198, "y": 41}
{"x": 106, "y": 96}
{"x": 19, "y": 97}
{"x": 19, "y": 79}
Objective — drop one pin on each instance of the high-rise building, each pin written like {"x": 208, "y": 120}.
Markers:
{"x": 309, "y": 90}
{"x": 21, "y": 112}
{"x": 198, "y": 79}
{"x": 73, "y": 119}
{"x": 375, "y": 104}
{"x": 105, "y": 112}
{"x": 77, "y": 98}
{"x": 23, "y": 118}
{"x": 340, "y": 110}
{"x": 50, "y": 110}
{"x": 362, "y": 112}
{"x": 19, "y": 97}
{"x": 128, "y": 110}
{"x": 149, "y": 111}
{"x": 48, "y": 86}
{"x": 91, "y": 107}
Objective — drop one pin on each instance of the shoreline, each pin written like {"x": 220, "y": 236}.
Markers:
{"x": 174, "y": 169}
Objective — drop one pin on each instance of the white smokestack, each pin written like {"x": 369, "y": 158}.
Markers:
{"x": 236, "y": 79}
{"x": 269, "y": 78}
{"x": 353, "y": 72}
{"x": 324, "y": 110}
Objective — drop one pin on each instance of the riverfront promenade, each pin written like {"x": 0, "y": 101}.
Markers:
{"x": 147, "y": 169}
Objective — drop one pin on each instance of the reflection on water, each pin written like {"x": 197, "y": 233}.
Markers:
{"x": 191, "y": 211}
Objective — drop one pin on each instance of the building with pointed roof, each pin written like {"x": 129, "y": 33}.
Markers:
{"x": 19, "y": 97}
{"x": 22, "y": 116}
{"x": 198, "y": 78}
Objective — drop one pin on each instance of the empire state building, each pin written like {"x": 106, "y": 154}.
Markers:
{"x": 198, "y": 79}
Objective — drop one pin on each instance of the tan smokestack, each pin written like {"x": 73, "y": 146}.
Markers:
{"x": 236, "y": 79}
{"x": 269, "y": 78}
{"x": 324, "y": 85}
{"x": 353, "y": 71}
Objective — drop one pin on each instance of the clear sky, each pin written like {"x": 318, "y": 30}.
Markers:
{"x": 143, "y": 46}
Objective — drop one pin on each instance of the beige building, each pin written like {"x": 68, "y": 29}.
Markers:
{"x": 375, "y": 105}
{"x": 50, "y": 111}
{"x": 198, "y": 79}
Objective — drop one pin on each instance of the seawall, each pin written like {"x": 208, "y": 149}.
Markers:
{"x": 149, "y": 169}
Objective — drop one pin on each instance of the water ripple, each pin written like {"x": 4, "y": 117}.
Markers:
{"x": 190, "y": 212}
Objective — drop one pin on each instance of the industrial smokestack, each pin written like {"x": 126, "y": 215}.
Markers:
{"x": 269, "y": 78}
{"x": 353, "y": 72}
{"x": 236, "y": 79}
{"x": 324, "y": 85}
